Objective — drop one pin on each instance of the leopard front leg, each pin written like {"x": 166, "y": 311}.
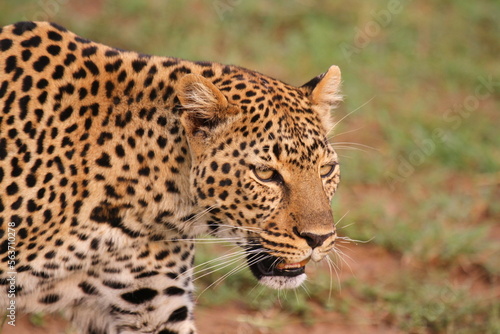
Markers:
{"x": 145, "y": 290}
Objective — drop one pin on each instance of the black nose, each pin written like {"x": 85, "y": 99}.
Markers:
{"x": 315, "y": 240}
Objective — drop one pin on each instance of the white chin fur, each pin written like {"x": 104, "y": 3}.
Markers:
{"x": 283, "y": 282}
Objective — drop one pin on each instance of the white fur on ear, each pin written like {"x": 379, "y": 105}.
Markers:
{"x": 324, "y": 93}
{"x": 199, "y": 95}
{"x": 327, "y": 91}
{"x": 205, "y": 107}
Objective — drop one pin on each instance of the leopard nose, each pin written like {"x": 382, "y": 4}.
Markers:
{"x": 315, "y": 240}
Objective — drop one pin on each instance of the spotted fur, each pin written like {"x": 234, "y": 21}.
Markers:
{"x": 111, "y": 162}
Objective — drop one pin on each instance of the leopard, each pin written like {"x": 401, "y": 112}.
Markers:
{"x": 113, "y": 163}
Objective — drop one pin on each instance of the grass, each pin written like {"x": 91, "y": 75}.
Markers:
{"x": 422, "y": 84}
{"x": 429, "y": 307}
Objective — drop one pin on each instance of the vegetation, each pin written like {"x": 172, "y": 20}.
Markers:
{"x": 417, "y": 134}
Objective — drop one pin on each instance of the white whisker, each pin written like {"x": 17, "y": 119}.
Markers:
{"x": 218, "y": 266}
{"x": 306, "y": 290}
{"x": 354, "y": 144}
{"x": 350, "y": 113}
{"x": 257, "y": 295}
{"x": 228, "y": 259}
{"x": 354, "y": 240}
{"x": 345, "y": 214}
{"x": 340, "y": 148}
{"x": 341, "y": 255}
{"x": 200, "y": 214}
{"x": 343, "y": 133}
{"x": 333, "y": 267}
{"x": 233, "y": 271}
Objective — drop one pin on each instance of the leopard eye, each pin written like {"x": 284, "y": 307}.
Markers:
{"x": 267, "y": 174}
{"x": 327, "y": 170}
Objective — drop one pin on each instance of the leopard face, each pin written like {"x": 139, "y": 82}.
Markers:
{"x": 266, "y": 169}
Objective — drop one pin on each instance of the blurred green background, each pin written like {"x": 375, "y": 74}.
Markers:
{"x": 418, "y": 136}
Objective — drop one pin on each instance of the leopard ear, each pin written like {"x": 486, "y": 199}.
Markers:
{"x": 205, "y": 107}
{"x": 324, "y": 94}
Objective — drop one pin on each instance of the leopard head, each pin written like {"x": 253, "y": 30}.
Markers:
{"x": 263, "y": 168}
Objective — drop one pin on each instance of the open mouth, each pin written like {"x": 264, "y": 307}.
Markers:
{"x": 262, "y": 264}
